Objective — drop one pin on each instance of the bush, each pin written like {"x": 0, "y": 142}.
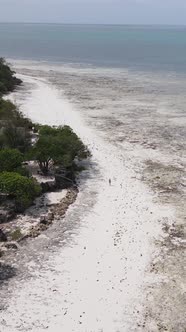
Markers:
{"x": 16, "y": 235}
{"x": 14, "y": 128}
{"x": 16, "y": 138}
{"x": 58, "y": 146}
{"x": 22, "y": 171}
{"x": 10, "y": 113}
{"x": 21, "y": 188}
{"x": 7, "y": 109}
{"x": 7, "y": 79}
{"x": 10, "y": 159}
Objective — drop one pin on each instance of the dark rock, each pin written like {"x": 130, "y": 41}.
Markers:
{"x": 7, "y": 212}
{"x": 11, "y": 214}
{"x": 43, "y": 227}
{"x": 44, "y": 186}
{"x": 3, "y": 198}
{"x": 34, "y": 232}
{"x": 3, "y": 216}
{"x": 11, "y": 245}
{"x": 48, "y": 186}
{"x": 6, "y": 215}
{"x": 3, "y": 237}
{"x": 43, "y": 220}
{"x": 50, "y": 216}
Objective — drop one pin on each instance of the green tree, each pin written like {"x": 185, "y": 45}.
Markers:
{"x": 14, "y": 128}
{"x": 43, "y": 152}
{"x": 16, "y": 138}
{"x": 57, "y": 146}
{"x": 10, "y": 159}
{"x": 7, "y": 79}
{"x": 21, "y": 188}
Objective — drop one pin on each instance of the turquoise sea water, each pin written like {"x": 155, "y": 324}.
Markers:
{"x": 134, "y": 47}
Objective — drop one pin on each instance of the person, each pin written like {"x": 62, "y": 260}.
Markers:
{"x": 109, "y": 182}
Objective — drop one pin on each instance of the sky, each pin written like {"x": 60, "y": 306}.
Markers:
{"x": 171, "y": 12}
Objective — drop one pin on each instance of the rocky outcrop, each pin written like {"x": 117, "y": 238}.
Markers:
{"x": 48, "y": 186}
{"x": 69, "y": 199}
{"x": 56, "y": 212}
{"x": 11, "y": 245}
{"x": 63, "y": 180}
{"x": 3, "y": 237}
{"x": 7, "y": 213}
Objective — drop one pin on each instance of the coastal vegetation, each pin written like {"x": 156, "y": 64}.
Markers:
{"x": 15, "y": 182}
{"x": 8, "y": 81}
{"x": 14, "y": 127}
{"x": 58, "y": 147}
{"x": 20, "y": 188}
{"x": 56, "y": 150}
{"x": 10, "y": 160}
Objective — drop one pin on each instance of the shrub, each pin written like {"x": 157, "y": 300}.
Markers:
{"x": 21, "y": 188}
{"x": 22, "y": 171}
{"x": 10, "y": 113}
{"x": 14, "y": 128}
{"x": 16, "y": 138}
{"x": 58, "y": 146}
{"x": 16, "y": 235}
{"x": 7, "y": 109}
{"x": 10, "y": 159}
{"x": 7, "y": 79}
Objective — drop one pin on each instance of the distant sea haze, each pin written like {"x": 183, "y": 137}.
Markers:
{"x": 143, "y": 48}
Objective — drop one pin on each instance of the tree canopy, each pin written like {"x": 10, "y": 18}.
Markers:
{"x": 7, "y": 79}
{"x": 14, "y": 139}
{"x": 21, "y": 188}
{"x": 58, "y": 146}
{"x": 10, "y": 159}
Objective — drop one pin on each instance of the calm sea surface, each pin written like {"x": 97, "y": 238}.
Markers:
{"x": 134, "y": 47}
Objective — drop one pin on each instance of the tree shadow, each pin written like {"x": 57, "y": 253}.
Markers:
{"x": 6, "y": 272}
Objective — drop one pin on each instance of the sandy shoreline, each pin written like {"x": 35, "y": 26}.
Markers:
{"x": 98, "y": 280}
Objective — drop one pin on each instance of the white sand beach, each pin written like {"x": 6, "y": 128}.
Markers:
{"x": 98, "y": 276}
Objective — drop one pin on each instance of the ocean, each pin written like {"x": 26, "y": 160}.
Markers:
{"x": 134, "y": 47}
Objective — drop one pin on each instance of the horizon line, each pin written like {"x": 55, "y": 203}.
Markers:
{"x": 104, "y": 24}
